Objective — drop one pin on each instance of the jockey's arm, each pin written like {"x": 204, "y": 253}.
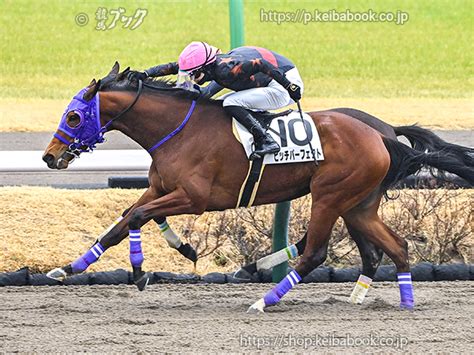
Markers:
{"x": 163, "y": 69}
{"x": 211, "y": 89}
{"x": 261, "y": 65}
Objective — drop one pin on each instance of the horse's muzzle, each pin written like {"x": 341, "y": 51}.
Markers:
{"x": 59, "y": 164}
{"x": 49, "y": 160}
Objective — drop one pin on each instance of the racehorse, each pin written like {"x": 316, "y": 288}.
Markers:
{"x": 420, "y": 139}
{"x": 199, "y": 166}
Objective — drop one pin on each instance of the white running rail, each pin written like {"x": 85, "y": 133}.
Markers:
{"x": 99, "y": 160}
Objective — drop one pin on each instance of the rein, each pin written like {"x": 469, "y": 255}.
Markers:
{"x": 176, "y": 131}
{"x": 124, "y": 111}
{"x": 169, "y": 135}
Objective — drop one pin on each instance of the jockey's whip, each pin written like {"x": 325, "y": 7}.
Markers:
{"x": 307, "y": 135}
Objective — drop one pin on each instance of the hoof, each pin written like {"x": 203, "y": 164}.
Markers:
{"x": 188, "y": 252}
{"x": 257, "y": 307}
{"x": 242, "y": 274}
{"x": 57, "y": 274}
{"x": 409, "y": 306}
{"x": 143, "y": 281}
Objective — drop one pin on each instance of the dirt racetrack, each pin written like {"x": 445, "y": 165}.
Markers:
{"x": 212, "y": 318}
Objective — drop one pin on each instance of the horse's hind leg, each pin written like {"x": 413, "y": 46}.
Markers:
{"x": 370, "y": 254}
{"x": 320, "y": 226}
{"x": 371, "y": 257}
{"x": 270, "y": 261}
{"x": 369, "y": 224}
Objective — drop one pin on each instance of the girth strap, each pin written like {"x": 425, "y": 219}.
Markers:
{"x": 249, "y": 188}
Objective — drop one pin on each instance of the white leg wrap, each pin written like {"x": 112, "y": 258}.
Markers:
{"x": 109, "y": 228}
{"x": 257, "y": 307}
{"x": 172, "y": 239}
{"x": 57, "y": 274}
{"x": 277, "y": 258}
{"x": 360, "y": 289}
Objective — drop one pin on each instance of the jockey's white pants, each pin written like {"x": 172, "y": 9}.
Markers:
{"x": 271, "y": 97}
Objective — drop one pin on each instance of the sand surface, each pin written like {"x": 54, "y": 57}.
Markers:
{"x": 203, "y": 318}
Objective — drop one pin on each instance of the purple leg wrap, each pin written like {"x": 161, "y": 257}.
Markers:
{"x": 91, "y": 256}
{"x": 136, "y": 254}
{"x": 406, "y": 290}
{"x": 275, "y": 294}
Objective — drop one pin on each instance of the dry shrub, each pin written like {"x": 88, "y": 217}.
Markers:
{"x": 436, "y": 223}
{"x": 44, "y": 228}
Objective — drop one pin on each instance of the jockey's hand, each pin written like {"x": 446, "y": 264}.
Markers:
{"x": 137, "y": 75}
{"x": 294, "y": 91}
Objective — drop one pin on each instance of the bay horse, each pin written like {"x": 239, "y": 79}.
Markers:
{"x": 198, "y": 166}
{"x": 420, "y": 139}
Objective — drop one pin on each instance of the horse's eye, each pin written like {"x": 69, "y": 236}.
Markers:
{"x": 73, "y": 120}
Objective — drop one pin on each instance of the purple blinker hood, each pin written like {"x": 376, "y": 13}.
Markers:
{"x": 89, "y": 131}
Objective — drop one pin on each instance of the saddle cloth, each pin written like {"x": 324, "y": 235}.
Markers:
{"x": 290, "y": 134}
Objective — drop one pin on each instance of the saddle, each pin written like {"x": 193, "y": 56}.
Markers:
{"x": 292, "y": 134}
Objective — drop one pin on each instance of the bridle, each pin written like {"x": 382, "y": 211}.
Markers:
{"x": 88, "y": 144}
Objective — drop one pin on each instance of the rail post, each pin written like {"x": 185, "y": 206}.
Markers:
{"x": 236, "y": 19}
{"x": 282, "y": 210}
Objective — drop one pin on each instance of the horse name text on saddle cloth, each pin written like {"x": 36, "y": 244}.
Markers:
{"x": 290, "y": 134}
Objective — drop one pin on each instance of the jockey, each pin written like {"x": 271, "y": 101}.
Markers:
{"x": 261, "y": 80}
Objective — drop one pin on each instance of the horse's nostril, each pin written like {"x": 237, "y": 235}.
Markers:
{"x": 48, "y": 159}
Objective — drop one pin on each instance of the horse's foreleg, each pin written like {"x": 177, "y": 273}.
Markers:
{"x": 174, "y": 241}
{"x": 177, "y": 202}
{"x": 113, "y": 235}
{"x": 170, "y": 236}
{"x": 91, "y": 256}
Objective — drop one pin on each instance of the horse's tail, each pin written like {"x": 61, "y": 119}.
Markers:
{"x": 405, "y": 161}
{"x": 426, "y": 141}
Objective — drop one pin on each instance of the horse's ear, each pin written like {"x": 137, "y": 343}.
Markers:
{"x": 123, "y": 74}
{"x": 92, "y": 89}
{"x": 115, "y": 69}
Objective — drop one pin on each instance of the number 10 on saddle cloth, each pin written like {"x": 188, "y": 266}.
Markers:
{"x": 292, "y": 136}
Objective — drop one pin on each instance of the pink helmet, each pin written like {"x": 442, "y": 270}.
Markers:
{"x": 197, "y": 55}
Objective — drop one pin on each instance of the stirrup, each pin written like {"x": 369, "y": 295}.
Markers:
{"x": 255, "y": 156}
{"x": 260, "y": 154}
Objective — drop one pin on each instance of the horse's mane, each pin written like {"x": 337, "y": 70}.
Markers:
{"x": 120, "y": 82}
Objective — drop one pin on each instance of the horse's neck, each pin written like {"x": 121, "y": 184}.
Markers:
{"x": 154, "y": 117}
{"x": 148, "y": 121}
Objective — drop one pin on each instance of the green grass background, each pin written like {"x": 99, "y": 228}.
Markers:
{"x": 45, "y": 54}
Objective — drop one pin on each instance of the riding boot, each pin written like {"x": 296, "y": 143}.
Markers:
{"x": 264, "y": 142}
